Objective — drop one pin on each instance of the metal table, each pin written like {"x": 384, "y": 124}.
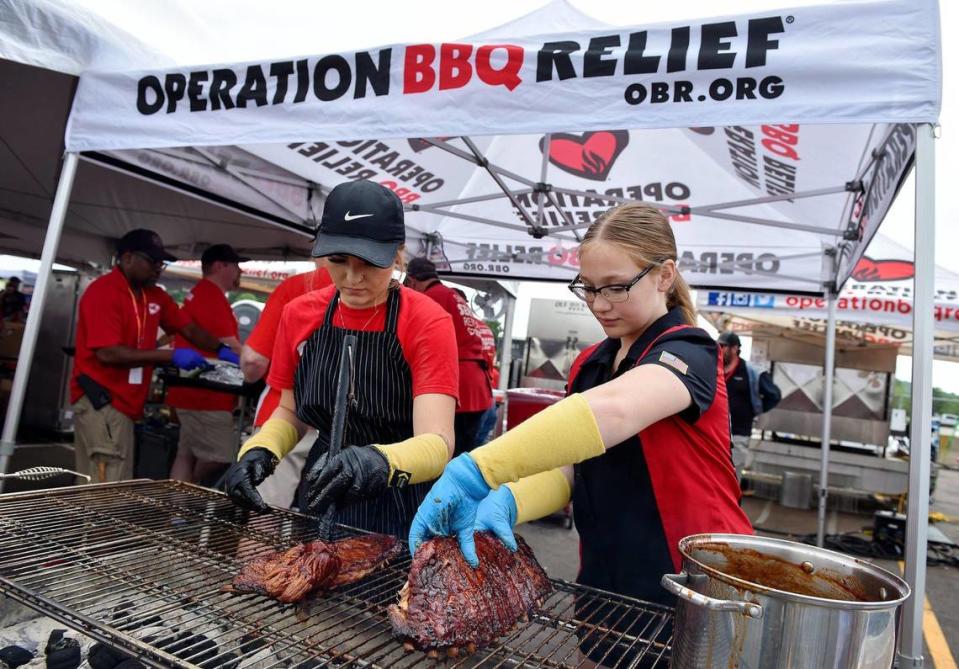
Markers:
{"x": 140, "y": 565}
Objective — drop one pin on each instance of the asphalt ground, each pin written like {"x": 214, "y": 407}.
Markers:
{"x": 557, "y": 549}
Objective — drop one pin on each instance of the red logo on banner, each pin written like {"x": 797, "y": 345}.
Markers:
{"x": 590, "y": 155}
{"x": 882, "y": 270}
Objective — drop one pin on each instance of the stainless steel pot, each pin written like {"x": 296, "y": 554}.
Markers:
{"x": 759, "y": 603}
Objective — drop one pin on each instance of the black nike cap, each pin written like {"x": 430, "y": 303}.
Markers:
{"x": 361, "y": 219}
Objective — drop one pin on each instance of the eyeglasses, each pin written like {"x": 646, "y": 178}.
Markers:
{"x": 613, "y": 292}
{"x": 159, "y": 264}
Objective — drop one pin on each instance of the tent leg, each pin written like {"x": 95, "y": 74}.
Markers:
{"x": 32, "y": 328}
{"x": 506, "y": 355}
{"x": 828, "y": 374}
{"x": 920, "y": 436}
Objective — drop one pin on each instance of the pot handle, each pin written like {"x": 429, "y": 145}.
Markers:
{"x": 676, "y": 584}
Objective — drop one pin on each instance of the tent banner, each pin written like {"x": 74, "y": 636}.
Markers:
{"x": 848, "y": 333}
{"x": 877, "y": 301}
{"x": 814, "y": 64}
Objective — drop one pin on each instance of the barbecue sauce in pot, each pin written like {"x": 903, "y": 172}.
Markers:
{"x": 772, "y": 572}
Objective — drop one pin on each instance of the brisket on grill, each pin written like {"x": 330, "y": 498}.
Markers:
{"x": 360, "y": 556}
{"x": 447, "y": 604}
{"x": 289, "y": 576}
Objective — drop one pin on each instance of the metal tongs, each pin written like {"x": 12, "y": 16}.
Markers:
{"x": 40, "y": 473}
{"x": 344, "y": 398}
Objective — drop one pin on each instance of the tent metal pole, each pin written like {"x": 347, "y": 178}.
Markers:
{"x": 920, "y": 436}
{"x": 543, "y": 171}
{"x": 506, "y": 355}
{"x": 826, "y": 414}
{"x": 32, "y": 328}
{"x": 224, "y": 166}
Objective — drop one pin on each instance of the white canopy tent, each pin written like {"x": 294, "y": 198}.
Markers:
{"x": 873, "y": 308}
{"x": 773, "y": 144}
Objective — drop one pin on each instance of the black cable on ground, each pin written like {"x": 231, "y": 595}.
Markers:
{"x": 865, "y": 545}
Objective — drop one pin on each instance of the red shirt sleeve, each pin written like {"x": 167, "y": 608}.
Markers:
{"x": 208, "y": 308}
{"x": 267, "y": 325}
{"x": 264, "y": 334}
{"x": 284, "y": 357}
{"x": 429, "y": 346}
{"x": 298, "y": 321}
{"x": 172, "y": 319}
{"x": 101, "y": 318}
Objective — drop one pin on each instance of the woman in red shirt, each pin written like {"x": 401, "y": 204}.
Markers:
{"x": 399, "y": 428}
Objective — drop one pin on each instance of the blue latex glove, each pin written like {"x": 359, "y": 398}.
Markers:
{"x": 188, "y": 358}
{"x": 497, "y": 513}
{"x": 450, "y": 507}
{"x": 226, "y": 354}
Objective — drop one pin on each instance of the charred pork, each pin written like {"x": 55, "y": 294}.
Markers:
{"x": 448, "y": 604}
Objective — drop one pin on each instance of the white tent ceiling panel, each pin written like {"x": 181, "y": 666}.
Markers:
{"x": 735, "y": 182}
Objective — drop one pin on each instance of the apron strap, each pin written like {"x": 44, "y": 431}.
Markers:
{"x": 331, "y": 309}
{"x": 392, "y": 310}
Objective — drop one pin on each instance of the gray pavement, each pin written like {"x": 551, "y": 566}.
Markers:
{"x": 557, "y": 548}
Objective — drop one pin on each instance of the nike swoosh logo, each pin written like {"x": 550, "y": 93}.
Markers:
{"x": 348, "y": 217}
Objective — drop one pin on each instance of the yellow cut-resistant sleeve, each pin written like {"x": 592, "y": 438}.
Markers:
{"x": 415, "y": 460}
{"x": 539, "y": 495}
{"x": 277, "y": 436}
{"x": 563, "y": 434}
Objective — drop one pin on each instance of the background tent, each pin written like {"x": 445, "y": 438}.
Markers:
{"x": 461, "y": 129}
{"x": 873, "y": 308}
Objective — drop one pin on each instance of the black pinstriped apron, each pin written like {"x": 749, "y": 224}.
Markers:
{"x": 382, "y": 412}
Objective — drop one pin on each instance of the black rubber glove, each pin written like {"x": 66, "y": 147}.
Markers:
{"x": 242, "y": 478}
{"x": 62, "y": 652}
{"x": 355, "y": 473}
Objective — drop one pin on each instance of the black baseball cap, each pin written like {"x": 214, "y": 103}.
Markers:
{"x": 222, "y": 253}
{"x": 421, "y": 269}
{"x": 144, "y": 241}
{"x": 729, "y": 338}
{"x": 362, "y": 219}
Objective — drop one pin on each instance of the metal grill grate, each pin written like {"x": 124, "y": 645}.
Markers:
{"x": 139, "y": 565}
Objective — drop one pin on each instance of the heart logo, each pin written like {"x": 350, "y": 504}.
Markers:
{"x": 868, "y": 269}
{"x": 590, "y": 155}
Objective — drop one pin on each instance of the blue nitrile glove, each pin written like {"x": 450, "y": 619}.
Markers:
{"x": 497, "y": 513}
{"x": 450, "y": 507}
{"x": 226, "y": 354}
{"x": 188, "y": 358}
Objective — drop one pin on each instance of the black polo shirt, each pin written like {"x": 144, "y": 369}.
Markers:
{"x": 624, "y": 547}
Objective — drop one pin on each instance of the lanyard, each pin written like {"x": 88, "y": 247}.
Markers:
{"x": 136, "y": 312}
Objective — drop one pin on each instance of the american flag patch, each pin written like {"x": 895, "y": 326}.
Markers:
{"x": 668, "y": 358}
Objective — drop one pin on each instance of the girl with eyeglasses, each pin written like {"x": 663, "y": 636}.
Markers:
{"x": 641, "y": 444}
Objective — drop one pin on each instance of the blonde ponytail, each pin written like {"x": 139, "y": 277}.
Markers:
{"x": 679, "y": 297}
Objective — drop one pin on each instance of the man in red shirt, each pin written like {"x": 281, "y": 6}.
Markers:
{"x": 279, "y": 488}
{"x": 119, "y": 315}
{"x": 476, "y": 395}
{"x": 207, "y": 440}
